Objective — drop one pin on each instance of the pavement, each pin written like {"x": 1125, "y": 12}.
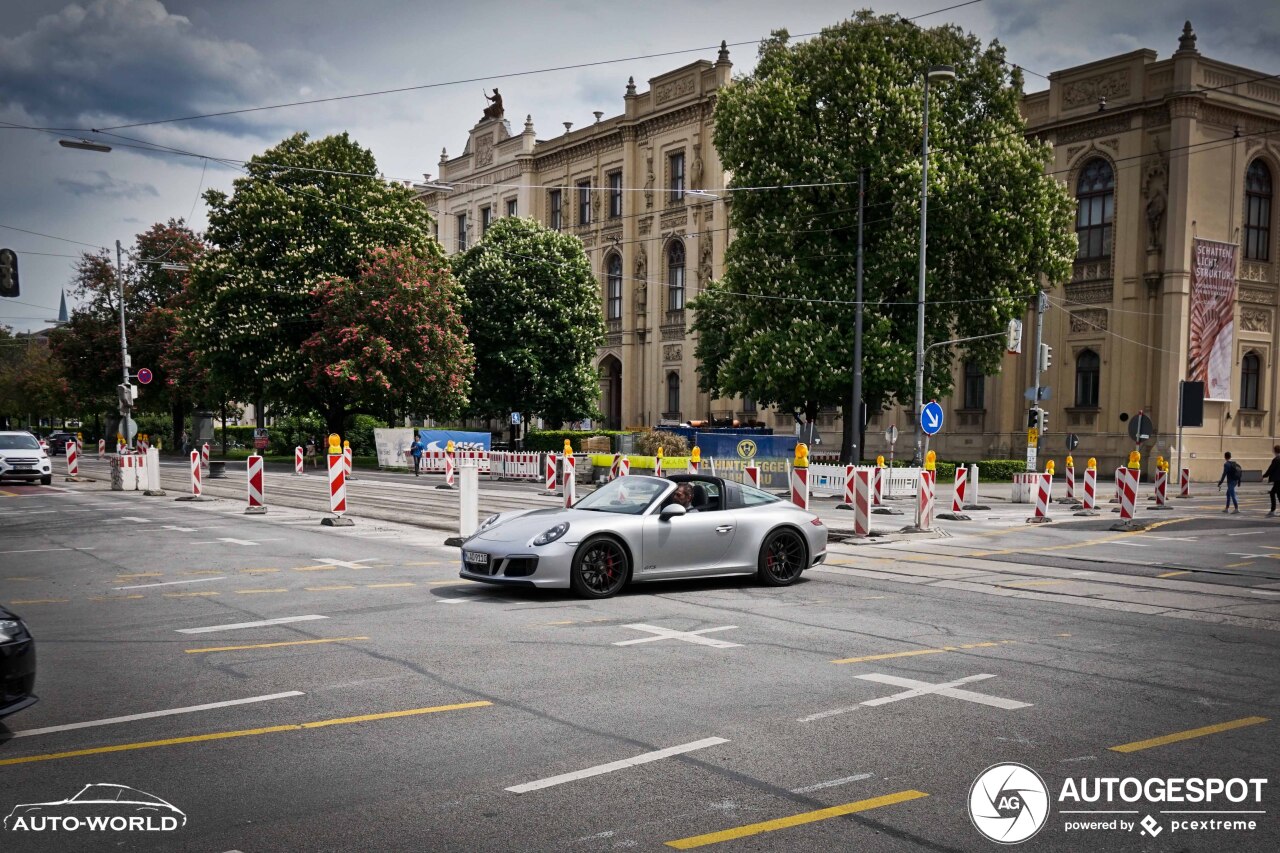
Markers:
{"x": 289, "y": 686}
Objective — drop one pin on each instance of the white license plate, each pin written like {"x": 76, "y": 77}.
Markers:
{"x": 24, "y": 467}
{"x": 475, "y": 558}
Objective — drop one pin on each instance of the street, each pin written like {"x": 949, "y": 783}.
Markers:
{"x": 293, "y": 687}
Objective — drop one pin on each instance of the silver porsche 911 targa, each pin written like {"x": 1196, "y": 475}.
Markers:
{"x": 634, "y": 529}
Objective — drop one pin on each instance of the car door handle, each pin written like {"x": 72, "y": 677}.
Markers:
{"x": 724, "y": 528}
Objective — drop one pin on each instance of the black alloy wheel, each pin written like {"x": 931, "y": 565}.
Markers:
{"x": 782, "y": 557}
{"x": 600, "y": 568}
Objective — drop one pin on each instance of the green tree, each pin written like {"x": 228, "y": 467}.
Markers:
{"x": 535, "y": 321}
{"x": 32, "y": 384}
{"x": 393, "y": 338}
{"x": 306, "y": 212}
{"x": 779, "y": 326}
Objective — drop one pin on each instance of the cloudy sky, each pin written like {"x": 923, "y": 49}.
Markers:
{"x": 102, "y": 63}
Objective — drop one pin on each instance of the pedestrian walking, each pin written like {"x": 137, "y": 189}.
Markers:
{"x": 1272, "y": 476}
{"x": 311, "y": 451}
{"x": 186, "y": 444}
{"x": 1231, "y": 473}
{"x": 415, "y": 450}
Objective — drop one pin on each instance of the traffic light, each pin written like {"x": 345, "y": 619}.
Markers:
{"x": 1046, "y": 357}
{"x": 124, "y": 393}
{"x": 9, "y": 273}
{"x": 1042, "y": 420}
{"x": 1033, "y": 421}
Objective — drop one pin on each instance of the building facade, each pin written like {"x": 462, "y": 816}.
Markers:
{"x": 641, "y": 190}
{"x": 1162, "y": 156}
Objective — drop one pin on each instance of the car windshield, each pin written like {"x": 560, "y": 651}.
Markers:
{"x": 628, "y": 495}
{"x": 19, "y": 442}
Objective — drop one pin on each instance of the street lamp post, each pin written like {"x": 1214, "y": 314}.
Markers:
{"x": 939, "y": 73}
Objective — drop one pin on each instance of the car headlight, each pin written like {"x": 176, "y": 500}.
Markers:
{"x": 10, "y": 629}
{"x": 548, "y": 536}
{"x": 488, "y": 521}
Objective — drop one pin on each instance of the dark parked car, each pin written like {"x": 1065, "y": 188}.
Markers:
{"x": 57, "y": 442}
{"x": 17, "y": 664}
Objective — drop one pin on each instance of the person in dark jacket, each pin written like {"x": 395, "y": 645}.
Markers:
{"x": 1272, "y": 476}
{"x": 1231, "y": 476}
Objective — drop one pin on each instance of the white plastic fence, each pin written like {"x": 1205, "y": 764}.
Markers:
{"x": 1024, "y": 488}
{"x": 512, "y": 465}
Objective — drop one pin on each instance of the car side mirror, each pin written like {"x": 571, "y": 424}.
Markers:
{"x": 670, "y": 511}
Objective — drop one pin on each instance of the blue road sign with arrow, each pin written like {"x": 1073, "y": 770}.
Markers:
{"x": 931, "y": 418}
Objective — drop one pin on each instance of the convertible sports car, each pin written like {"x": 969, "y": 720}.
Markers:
{"x": 631, "y": 529}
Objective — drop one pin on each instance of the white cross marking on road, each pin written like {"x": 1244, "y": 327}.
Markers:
{"x": 225, "y": 539}
{"x": 684, "y": 636}
{"x": 179, "y": 529}
{"x": 352, "y": 564}
{"x": 950, "y": 688}
{"x": 135, "y": 518}
{"x": 1234, "y": 554}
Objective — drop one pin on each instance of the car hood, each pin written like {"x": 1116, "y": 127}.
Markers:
{"x": 523, "y": 525}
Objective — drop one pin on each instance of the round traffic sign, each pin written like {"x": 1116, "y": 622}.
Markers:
{"x": 1073, "y": 441}
{"x": 144, "y": 375}
{"x": 1141, "y": 428}
{"x": 931, "y": 417}
{"x": 891, "y": 434}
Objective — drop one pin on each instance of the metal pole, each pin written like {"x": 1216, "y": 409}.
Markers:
{"x": 1041, "y": 299}
{"x": 124, "y": 340}
{"x": 924, "y": 224}
{"x": 856, "y": 407}
{"x": 1181, "y": 382}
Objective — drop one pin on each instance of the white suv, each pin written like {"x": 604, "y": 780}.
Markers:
{"x": 22, "y": 458}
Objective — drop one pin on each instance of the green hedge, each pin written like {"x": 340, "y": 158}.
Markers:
{"x": 543, "y": 440}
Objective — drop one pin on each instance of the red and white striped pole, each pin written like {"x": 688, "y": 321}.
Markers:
{"x": 800, "y": 477}
{"x": 196, "y": 489}
{"x": 1090, "y": 489}
{"x": 624, "y": 467}
{"x": 102, "y": 447}
{"x": 958, "y": 498}
{"x": 1071, "y": 480}
{"x": 204, "y": 454}
{"x": 450, "y": 470}
{"x": 1162, "y": 489}
{"x": 615, "y": 470}
{"x": 257, "y": 500}
{"x": 848, "y": 489}
{"x": 347, "y": 458}
{"x": 297, "y": 462}
{"x": 877, "y": 484}
{"x": 657, "y": 463}
{"x": 1120, "y": 475}
{"x": 1128, "y": 494}
{"x": 570, "y": 481}
{"x": 1044, "y": 494}
{"x": 73, "y": 460}
{"x": 337, "y": 482}
{"x": 752, "y": 474}
{"x": 551, "y": 474}
{"x": 861, "y": 501}
{"x": 924, "y": 498}
{"x": 1184, "y": 483}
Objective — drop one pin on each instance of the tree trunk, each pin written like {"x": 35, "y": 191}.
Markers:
{"x": 179, "y": 413}
{"x": 259, "y": 416}
{"x": 335, "y": 417}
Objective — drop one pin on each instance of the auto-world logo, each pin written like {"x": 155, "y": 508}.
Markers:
{"x": 1009, "y": 803}
{"x": 99, "y": 807}
{"x": 746, "y": 448}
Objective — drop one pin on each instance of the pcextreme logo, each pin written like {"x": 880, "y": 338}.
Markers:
{"x": 99, "y": 807}
{"x": 746, "y": 448}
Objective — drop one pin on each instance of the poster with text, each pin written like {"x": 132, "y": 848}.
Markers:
{"x": 1213, "y": 301}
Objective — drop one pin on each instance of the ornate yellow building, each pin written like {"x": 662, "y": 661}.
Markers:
{"x": 1161, "y": 155}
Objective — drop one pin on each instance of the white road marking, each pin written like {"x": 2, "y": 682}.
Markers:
{"x": 684, "y": 636}
{"x": 346, "y": 564}
{"x": 601, "y": 769}
{"x": 452, "y": 600}
{"x": 833, "y": 783}
{"x": 152, "y": 714}
{"x": 1173, "y": 538}
{"x": 924, "y": 688}
{"x": 1234, "y": 554}
{"x": 232, "y": 541}
{"x": 1132, "y": 544}
{"x": 44, "y": 550}
{"x": 238, "y": 625}
{"x": 1248, "y": 533}
{"x": 170, "y": 583}
{"x": 135, "y": 518}
{"x": 179, "y": 529}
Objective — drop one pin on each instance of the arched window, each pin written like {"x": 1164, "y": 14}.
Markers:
{"x": 1095, "y": 198}
{"x": 1250, "y": 380}
{"x": 1088, "y": 367}
{"x": 675, "y": 276}
{"x": 613, "y": 286}
{"x": 975, "y": 386}
{"x": 1257, "y": 212}
{"x": 673, "y": 395}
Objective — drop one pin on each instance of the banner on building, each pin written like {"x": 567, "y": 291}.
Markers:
{"x": 1213, "y": 301}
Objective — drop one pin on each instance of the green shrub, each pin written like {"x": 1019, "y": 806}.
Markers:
{"x": 648, "y": 442}
{"x": 544, "y": 440}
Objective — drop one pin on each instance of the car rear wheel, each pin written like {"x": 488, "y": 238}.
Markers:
{"x": 600, "y": 568}
{"x": 782, "y": 558}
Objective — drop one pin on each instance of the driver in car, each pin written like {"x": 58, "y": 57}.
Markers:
{"x": 683, "y": 496}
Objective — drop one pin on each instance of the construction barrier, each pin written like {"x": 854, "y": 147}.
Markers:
{"x": 551, "y": 474}
{"x": 204, "y": 454}
{"x": 196, "y": 488}
{"x": 1162, "y": 490}
{"x": 1184, "y": 483}
{"x": 1044, "y": 494}
{"x": 253, "y": 485}
{"x": 298, "y": 462}
{"x": 848, "y": 502}
{"x": 1070, "y": 481}
{"x": 877, "y": 486}
{"x": 570, "y": 481}
{"x": 129, "y": 464}
{"x": 1090, "y": 489}
{"x": 337, "y": 484}
{"x": 657, "y": 464}
{"x": 450, "y": 477}
{"x": 959, "y": 497}
{"x": 615, "y": 467}
{"x": 925, "y": 500}
{"x": 1128, "y": 480}
{"x": 861, "y": 494}
{"x": 752, "y": 474}
{"x": 1120, "y": 477}
{"x": 1023, "y": 486}
{"x": 512, "y": 465}
{"x": 800, "y": 487}
{"x": 624, "y": 467}
{"x": 102, "y": 447}
{"x": 347, "y": 459}
{"x": 73, "y": 460}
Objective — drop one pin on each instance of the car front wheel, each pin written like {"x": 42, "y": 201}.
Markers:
{"x": 600, "y": 568}
{"x": 782, "y": 558}
{"x": 46, "y": 481}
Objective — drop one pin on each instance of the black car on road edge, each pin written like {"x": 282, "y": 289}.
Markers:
{"x": 17, "y": 664}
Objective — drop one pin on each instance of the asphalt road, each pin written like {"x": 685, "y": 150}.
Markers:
{"x": 412, "y": 711}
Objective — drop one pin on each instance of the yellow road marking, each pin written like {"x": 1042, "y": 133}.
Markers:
{"x": 293, "y": 727}
{"x": 1063, "y": 635}
{"x": 388, "y": 585}
{"x": 1086, "y": 544}
{"x": 41, "y": 601}
{"x": 8, "y": 494}
{"x": 316, "y": 569}
{"x": 188, "y": 594}
{"x": 205, "y": 572}
{"x": 1188, "y": 734}
{"x": 258, "y": 571}
{"x": 272, "y": 645}
{"x": 140, "y": 575}
{"x": 446, "y": 583}
{"x": 1172, "y": 574}
{"x": 1238, "y": 565}
{"x": 327, "y": 588}
{"x": 915, "y": 652}
{"x": 416, "y": 565}
{"x": 114, "y": 597}
{"x": 19, "y": 579}
{"x": 794, "y": 820}
{"x": 256, "y": 591}
{"x": 1033, "y": 583}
